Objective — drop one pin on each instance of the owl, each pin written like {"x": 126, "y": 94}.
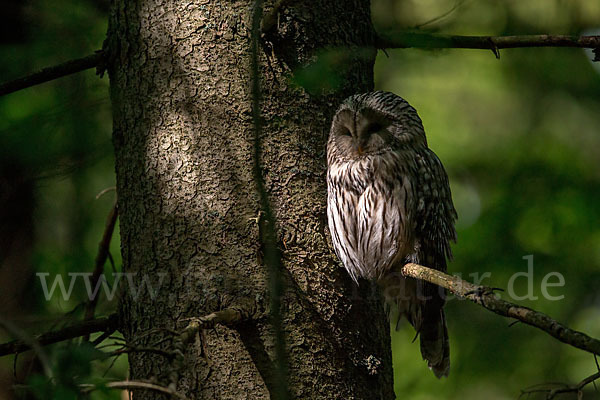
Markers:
{"x": 388, "y": 204}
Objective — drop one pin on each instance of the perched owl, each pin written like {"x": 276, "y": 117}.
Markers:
{"x": 388, "y": 204}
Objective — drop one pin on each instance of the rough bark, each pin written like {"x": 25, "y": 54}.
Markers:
{"x": 182, "y": 135}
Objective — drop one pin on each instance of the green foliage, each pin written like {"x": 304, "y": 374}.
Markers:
{"x": 72, "y": 367}
{"x": 322, "y": 75}
{"x": 325, "y": 73}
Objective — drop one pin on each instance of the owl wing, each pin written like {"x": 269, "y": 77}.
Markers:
{"x": 435, "y": 212}
{"x": 434, "y": 232}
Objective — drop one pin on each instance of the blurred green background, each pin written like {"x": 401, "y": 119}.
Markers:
{"x": 519, "y": 138}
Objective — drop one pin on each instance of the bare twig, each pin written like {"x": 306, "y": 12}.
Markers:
{"x": 457, "y": 5}
{"x": 134, "y": 385}
{"x": 30, "y": 341}
{"x": 51, "y": 73}
{"x": 127, "y": 349}
{"x": 564, "y": 388}
{"x": 103, "y": 251}
{"x": 104, "y": 191}
{"x": 439, "y": 41}
{"x": 486, "y": 297}
{"x": 103, "y": 324}
{"x": 268, "y": 237}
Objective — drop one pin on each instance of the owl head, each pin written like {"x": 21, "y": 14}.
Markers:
{"x": 373, "y": 123}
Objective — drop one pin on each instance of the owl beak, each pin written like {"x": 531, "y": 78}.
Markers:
{"x": 360, "y": 148}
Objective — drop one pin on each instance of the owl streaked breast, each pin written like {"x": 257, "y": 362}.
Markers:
{"x": 368, "y": 216}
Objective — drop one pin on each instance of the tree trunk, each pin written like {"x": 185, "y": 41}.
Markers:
{"x": 187, "y": 200}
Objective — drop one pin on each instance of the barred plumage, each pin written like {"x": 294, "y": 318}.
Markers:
{"x": 389, "y": 203}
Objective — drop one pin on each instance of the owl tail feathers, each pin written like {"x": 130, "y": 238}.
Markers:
{"x": 435, "y": 347}
{"x": 427, "y": 317}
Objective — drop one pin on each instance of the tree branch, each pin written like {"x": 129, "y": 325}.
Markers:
{"x": 51, "y": 73}
{"x": 109, "y": 323}
{"x": 399, "y": 41}
{"x": 31, "y": 342}
{"x": 486, "y": 297}
{"x": 439, "y": 41}
{"x": 128, "y": 349}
